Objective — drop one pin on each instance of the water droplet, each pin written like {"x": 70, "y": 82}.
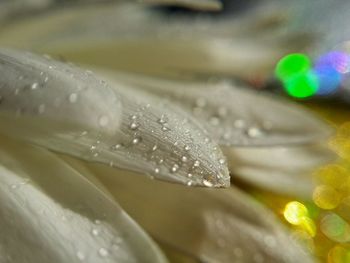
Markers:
{"x": 34, "y": 86}
{"x": 134, "y": 126}
{"x": 103, "y": 121}
{"x": 196, "y": 163}
{"x": 80, "y": 255}
{"x": 103, "y": 252}
{"x": 165, "y": 128}
{"x": 73, "y": 98}
{"x": 222, "y": 111}
{"x": 239, "y": 124}
{"x": 163, "y": 119}
{"x": 214, "y": 121}
{"x": 155, "y": 147}
{"x": 189, "y": 183}
{"x": 156, "y": 170}
{"x": 222, "y": 161}
{"x": 207, "y": 183}
{"x": 95, "y": 232}
{"x": 116, "y": 147}
{"x": 189, "y": 175}
{"x": 98, "y": 222}
{"x": 41, "y": 108}
{"x": 92, "y": 147}
{"x": 184, "y": 159}
{"x": 254, "y": 132}
{"x": 136, "y": 140}
{"x": 175, "y": 168}
{"x": 187, "y": 148}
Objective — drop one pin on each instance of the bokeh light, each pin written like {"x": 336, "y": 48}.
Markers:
{"x": 335, "y": 228}
{"x": 301, "y": 79}
{"x": 291, "y": 65}
{"x": 295, "y": 212}
{"x": 326, "y": 197}
{"x": 302, "y": 85}
{"x": 339, "y": 254}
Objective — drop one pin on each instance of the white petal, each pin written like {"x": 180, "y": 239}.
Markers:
{"x": 50, "y": 213}
{"x": 284, "y": 170}
{"x": 68, "y": 110}
{"x": 233, "y": 115}
{"x": 132, "y": 37}
{"x": 214, "y": 226}
{"x": 195, "y": 4}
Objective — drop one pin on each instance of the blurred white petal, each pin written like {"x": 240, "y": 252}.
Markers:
{"x": 132, "y": 37}
{"x": 213, "y": 5}
{"x": 214, "y": 226}
{"x": 69, "y": 110}
{"x": 50, "y": 213}
{"x": 284, "y": 170}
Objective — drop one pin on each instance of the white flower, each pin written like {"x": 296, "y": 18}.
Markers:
{"x": 71, "y": 142}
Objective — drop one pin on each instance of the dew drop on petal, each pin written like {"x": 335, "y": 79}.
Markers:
{"x": 103, "y": 252}
{"x": 136, "y": 140}
{"x": 207, "y": 183}
{"x": 175, "y": 168}
{"x": 254, "y": 132}
{"x": 134, "y": 126}
{"x": 95, "y": 232}
{"x": 41, "y": 108}
{"x": 73, "y": 98}
{"x": 34, "y": 86}
{"x": 196, "y": 163}
{"x": 103, "y": 121}
{"x": 80, "y": 255}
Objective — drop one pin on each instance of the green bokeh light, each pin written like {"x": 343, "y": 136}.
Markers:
{"x": 291, "y": 65}
{"x": 302, "y": 85}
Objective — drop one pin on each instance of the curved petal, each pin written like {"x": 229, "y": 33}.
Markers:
{"x": 235, "y": 116}
{"x": 215, "y": 226}
{"x": 212, "y": 5}
{"x": 284, "y": 170}
{"x": 50, "y": 213}
{"x": 131, "y": 37}
{"x": 68, "y": 110}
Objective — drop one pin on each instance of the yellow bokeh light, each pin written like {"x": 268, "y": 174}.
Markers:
{"x": 326, "y": 197}
{"x": 295, "y": 212}
{"x": 339, "y": 254}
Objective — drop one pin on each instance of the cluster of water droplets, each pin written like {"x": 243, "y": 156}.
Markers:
{"x": 221, "y": 121}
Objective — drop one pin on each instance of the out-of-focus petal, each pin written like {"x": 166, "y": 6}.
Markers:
{"x": 214, "y": 226}
{"x": 50, "y": 213}
{"x": 212, "y": 5}
{"x": 69, "y": 110}
{"x": 131, "y": 37}
{"x": 284, "y": 170}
